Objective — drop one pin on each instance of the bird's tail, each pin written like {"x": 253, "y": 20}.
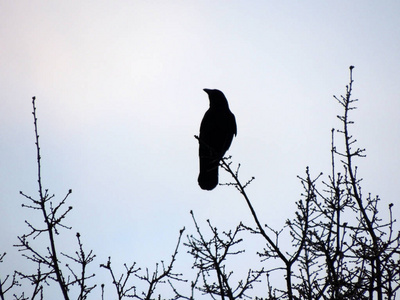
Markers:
{"x": 208, "y": 177}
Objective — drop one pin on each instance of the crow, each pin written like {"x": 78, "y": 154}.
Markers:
{"x": 216, "y": 133}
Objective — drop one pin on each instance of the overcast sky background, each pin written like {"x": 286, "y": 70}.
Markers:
{"x": 119, "y": 99}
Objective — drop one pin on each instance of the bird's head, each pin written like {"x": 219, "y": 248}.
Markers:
{"x": 217, "y": 98}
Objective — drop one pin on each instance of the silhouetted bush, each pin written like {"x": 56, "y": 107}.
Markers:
{"x": 342, "y": 248}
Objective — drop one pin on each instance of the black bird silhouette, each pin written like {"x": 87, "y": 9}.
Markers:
{"x": 216, "y": 133}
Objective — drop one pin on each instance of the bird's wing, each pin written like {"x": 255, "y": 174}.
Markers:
{"x": 233, "y": 124}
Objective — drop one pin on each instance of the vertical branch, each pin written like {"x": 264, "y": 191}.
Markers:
{"x": 38, "y": 157}
{"x": 49, "y": 224}
{"x": 82, "y": 259}
{"x": 375, "y": 259}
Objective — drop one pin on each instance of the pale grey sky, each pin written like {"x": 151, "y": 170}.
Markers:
{"x": 119, "y": 98}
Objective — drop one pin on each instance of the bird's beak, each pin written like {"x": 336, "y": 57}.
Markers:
{"x": 207, "y": 90}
